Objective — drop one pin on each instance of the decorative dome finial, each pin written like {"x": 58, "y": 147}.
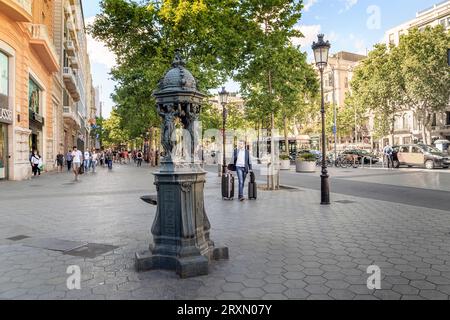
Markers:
{"x": 178, "y": 60}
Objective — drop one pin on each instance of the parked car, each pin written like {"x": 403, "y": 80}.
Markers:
{"x": 420, "y": 155}
{"x": 362, "y": 154}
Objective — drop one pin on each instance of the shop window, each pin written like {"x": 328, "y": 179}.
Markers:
{"x": 34, "y": 96}
{"x": 4, "y": 81}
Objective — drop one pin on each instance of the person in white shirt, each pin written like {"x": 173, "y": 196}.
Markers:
{"x": 87, "y": 160}
{"x": 77, "y": 158}
{"x": 94, "y": 160}
{"x": 388, "y": 155}
{"x": 35, "y": 162}
{"x": 243, "y": 166}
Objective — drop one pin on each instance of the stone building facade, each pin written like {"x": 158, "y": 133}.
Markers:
{"x": 34, "y": 67}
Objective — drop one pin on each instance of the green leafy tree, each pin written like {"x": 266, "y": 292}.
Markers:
{"x": 213, "y": 36}
{"x": 378, "y": 85}
{"x": 113, "y": 133}
{"x": 423, "y": 66}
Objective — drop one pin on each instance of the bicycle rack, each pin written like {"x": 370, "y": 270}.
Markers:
{"x": 364, "y": 161}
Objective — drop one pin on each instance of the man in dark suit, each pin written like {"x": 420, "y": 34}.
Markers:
{"x": 243, "y": 166}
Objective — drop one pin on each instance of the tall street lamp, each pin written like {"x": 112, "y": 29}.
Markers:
{"x": 223, "y": 97}
{"x": 321, "y": 50}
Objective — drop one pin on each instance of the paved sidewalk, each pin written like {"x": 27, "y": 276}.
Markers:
{"x": 282, "y": 246}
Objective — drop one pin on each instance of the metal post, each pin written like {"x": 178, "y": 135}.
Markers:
{"x": 325, "y": 189}
{"x": 224, "y": 120}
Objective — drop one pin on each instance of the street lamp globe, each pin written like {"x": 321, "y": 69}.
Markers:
{"x": 223, "y": 96}
{"x": 321, "y": 50}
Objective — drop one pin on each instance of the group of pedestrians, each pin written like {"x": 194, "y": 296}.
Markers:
{"x": 82, "y": 162}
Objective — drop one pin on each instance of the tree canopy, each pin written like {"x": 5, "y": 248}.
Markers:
{"x": 411, "y": 76}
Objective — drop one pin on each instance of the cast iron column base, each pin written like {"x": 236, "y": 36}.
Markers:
{"x": 325, "y": 189}
{"x": 181, "y": 227}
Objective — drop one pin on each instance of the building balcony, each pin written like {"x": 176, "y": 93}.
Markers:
{"x": 441, "y": 128}
{"x": 74, "y": 62}
{"x": 70, "y": 81}
{"x": 18, "y": 10}
{"x": 70, "y": 114}
{"x": 71, "y": 28}
{"x": 70, "y": 48}
{"x": 41, "y": 43}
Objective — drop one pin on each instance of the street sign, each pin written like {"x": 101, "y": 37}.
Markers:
{"x": 334, "y": 130}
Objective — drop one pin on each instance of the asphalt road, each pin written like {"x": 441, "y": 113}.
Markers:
{"x": 419, "y": 197}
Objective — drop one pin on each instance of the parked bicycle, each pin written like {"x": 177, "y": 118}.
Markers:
{"x": 347, "y": 161}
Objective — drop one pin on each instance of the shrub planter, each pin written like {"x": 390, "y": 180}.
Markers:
{"x": 285, "y": 164}
{"x": 305, "y": 166}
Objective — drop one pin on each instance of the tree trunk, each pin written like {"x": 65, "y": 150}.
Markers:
{"x": 393, "y": 130}
{"x": 286, "y": 139}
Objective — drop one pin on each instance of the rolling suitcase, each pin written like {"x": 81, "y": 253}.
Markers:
{"x": 252, "y": 187}
{"x": 228, "y": 187}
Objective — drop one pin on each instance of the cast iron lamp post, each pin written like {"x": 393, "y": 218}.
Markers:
{"x": 321, "y": 50}
{"x": 223, "y": 97}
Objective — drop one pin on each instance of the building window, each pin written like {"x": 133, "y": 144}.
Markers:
{"x": 392, "y": 38}
{"x": 346, "y": 82}
{"x": 66, "y": 100}
{"x": 4, "y": 81}
{"x": 447, "y": 117}
{"x": 433, "y": 121}
{"x": 34, "y": 96}
{"x": 443, "y": 22}
{"x": 405, "y": 122}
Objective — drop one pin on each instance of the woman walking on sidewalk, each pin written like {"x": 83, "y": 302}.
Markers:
{"x": 94, "y": 160}
{"x": 35, "y": 162}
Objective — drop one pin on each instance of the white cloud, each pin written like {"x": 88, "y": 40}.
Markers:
{"x": 310, "y": 33}
{"x": 359, "y": 44}
{"x": 309, "y": 4}
{"x": 348, "y": 5}
{"x": 97, "y": 51}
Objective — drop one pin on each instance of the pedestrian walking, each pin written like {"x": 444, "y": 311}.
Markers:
{"x": 69, "y": 160}
{"x": 109, "y": 158}
{"x": 139, "y": 157}
{"x": 87, "y": 160}
{"x": 94, "y": 160}
{"x": 241, "y": 159}
{"x": 102, "y": 158}
{"x": 35, "y": 161}
{"x": 388, "y": 155}
{"x": 77, "y": 162}
{"x": 60, "y": 161}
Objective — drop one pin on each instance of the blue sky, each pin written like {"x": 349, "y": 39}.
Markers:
{"x": 350, "y": 25}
